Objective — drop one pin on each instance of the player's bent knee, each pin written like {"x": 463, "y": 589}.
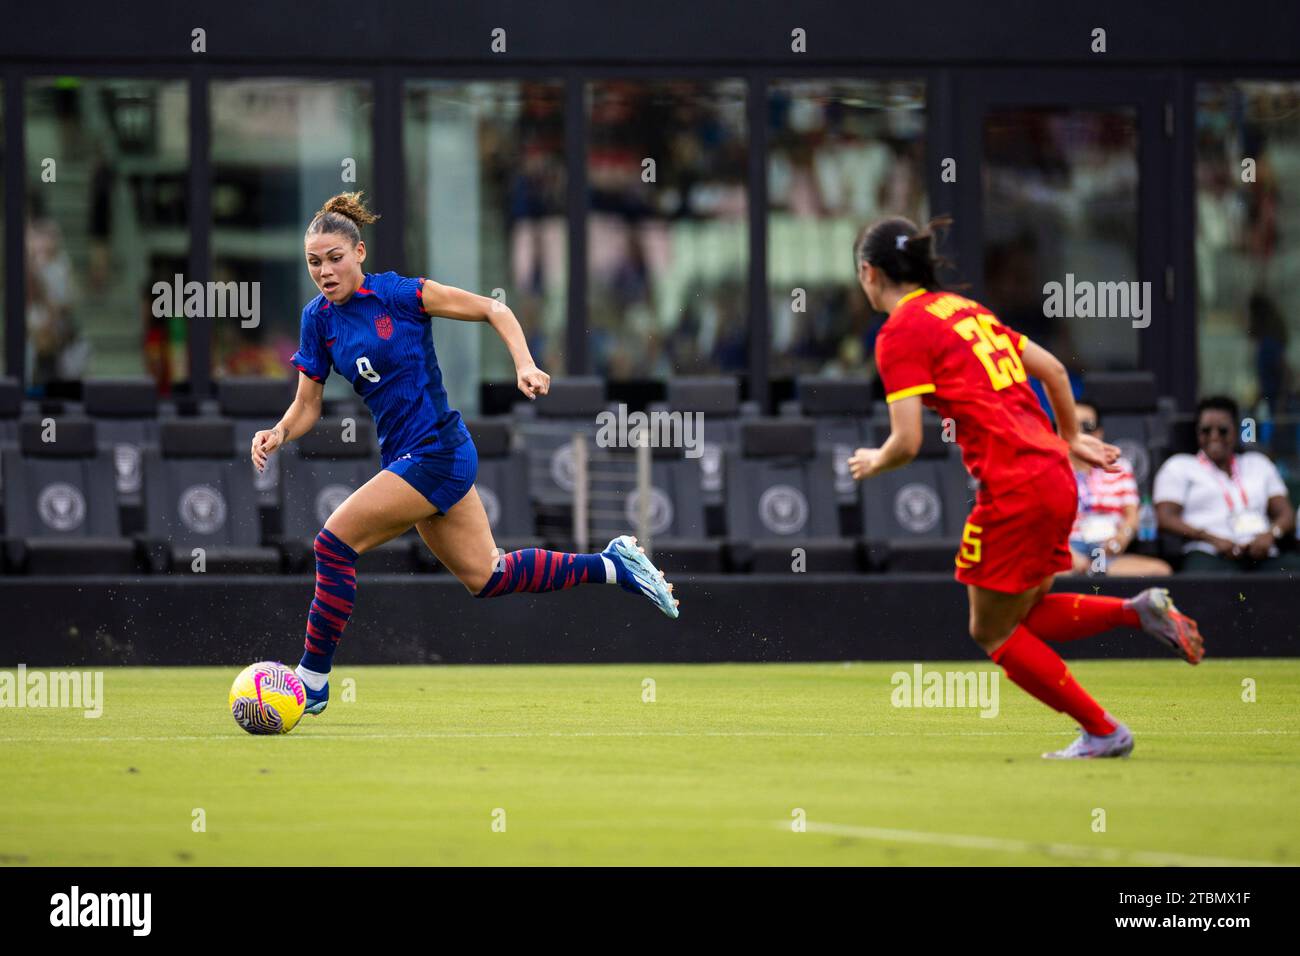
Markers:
{"x": 477, "y": 578}
{"x": 988, "y": 637}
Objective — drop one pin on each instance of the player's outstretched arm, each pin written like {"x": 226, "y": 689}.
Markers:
{"x": 1047, "y": 368}
{"x": 902, "y": 445}
{"x": 303, "y": 413}
{"x": 453, "y": 303}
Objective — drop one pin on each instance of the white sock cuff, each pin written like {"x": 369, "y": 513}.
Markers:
{"x": 313, "y": 679}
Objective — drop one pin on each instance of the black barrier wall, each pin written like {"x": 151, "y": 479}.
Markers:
{"x": 422, "y": 619}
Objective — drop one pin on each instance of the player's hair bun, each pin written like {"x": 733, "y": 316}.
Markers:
{"x": 345, "y": 214}
{"x": 350, "y": 205}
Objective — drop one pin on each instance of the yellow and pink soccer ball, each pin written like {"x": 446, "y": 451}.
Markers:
{"x": 267, "y": 698}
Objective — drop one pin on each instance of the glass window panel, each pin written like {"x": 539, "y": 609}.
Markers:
{"x": 842, "y": 154}
{"x": 1248, "y": 242}
{"x": 107, "y": 162}
{"x": 1061, "y": 199}
{"x": 485, "y": 207}
{"x": 667, "y": 234}
{"x": 280, "y": 148}
{"x": 3, "y": 318}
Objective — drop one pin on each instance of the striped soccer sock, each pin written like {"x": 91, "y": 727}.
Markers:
{"x": 336, "y": 591}
{"x": 535, "y": 570}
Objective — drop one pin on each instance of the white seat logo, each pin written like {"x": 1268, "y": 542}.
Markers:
{"x": 202, "y": 509}
{"x": 61, "y": 506}
{"x": 783, "y": 509}
{"x": 917, "y": 508}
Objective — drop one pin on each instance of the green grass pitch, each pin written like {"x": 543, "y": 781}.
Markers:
{"x": 713, "y": 771}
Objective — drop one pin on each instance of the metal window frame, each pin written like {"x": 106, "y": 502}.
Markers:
{"x": 948, "y": 121}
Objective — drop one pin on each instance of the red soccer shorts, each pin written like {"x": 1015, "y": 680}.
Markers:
{"x": 1013, "y": 542}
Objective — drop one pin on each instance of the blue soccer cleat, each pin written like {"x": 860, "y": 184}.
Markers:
{"x": 1117, "y": 743}
{"x": 317, "y": 700}
{"x": 638, "y": 575}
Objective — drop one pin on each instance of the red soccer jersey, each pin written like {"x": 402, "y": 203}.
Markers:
{"x": 966, "y": 366}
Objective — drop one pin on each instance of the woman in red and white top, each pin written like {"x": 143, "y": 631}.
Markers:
{"x": 1107, "y": 521}
{"x": 1231, "y": 508}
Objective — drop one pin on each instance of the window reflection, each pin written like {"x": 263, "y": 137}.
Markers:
{"x": 105, "y": 218}
{"x": 1060, "y": 199}
{"x": 486, "y": 194}
{"x": 843, "y": 153}
{"x": 280, "y": 148}
{"x": 1247, "y": 251}
{"x": 667, "y": 235}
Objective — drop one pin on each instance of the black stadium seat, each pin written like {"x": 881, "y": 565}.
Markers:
{"x": 59, "y": 501}
{"x": 717, "y": 399}
{"x": 840, "y": 410}
{"x": 199, "y": 494}
{"x": 913, "y": 516}
{"x": 320, "y": 470}
{"x": 502, "y": 484}
{"x": 675, "y": 506}
{"x": 11, "y": 407}
{"x": 546, "y": 429}
{"x": 780, "y": 496}
{"x": 1130, "y": 416}
{"x": 253, "y": 404}
{"x": 125, "y": 411}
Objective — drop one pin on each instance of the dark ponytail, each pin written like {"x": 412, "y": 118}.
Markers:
{"x": 902, "y": 251}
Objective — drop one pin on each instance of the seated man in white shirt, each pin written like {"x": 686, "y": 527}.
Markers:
{"x": 1231, "y": 508}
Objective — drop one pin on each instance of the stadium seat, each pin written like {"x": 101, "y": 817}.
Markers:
{"x": 502, "y": 484}
{"x": 546, "y": 429}
{"x": 780, "y": 496}
{"x": 717, "y": 398}
{"x": 841, "y": 411}
{"x": 676, "y": 507}
{"x": 60, "y": 505}
{"x": 11, "y": 407}
{"x": 199, "y": 494}
{"x": 1131, "y": 416}
{"x": 126, "y": 421}
{"x": 913, "y": 517}
{"x": 320, "y": 470}
{"x": 253, "y": 404}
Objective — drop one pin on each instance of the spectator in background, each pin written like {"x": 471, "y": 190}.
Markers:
{"x": 1267, "y": 328}
{"x": 1108, "y": 513}
{"x": 56, "y": 349}
{"x": 1231, "y": 508}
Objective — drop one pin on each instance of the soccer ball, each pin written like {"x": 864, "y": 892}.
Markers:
{"x": 267, "y": 698}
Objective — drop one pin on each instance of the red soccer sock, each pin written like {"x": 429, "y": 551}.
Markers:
{"x": 1039, "y": 671}
{"x": 1068, "y": 617}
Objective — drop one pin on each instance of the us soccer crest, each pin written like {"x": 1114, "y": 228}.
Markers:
{"x": 384, "y": 325}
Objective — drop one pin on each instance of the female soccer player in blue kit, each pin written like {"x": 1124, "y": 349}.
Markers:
{"x": 374, "y": 329}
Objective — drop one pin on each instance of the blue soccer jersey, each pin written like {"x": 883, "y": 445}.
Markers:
{"x": 381, "y": 341}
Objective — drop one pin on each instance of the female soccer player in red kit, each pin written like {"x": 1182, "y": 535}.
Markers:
{"x": 951, "y": 354}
